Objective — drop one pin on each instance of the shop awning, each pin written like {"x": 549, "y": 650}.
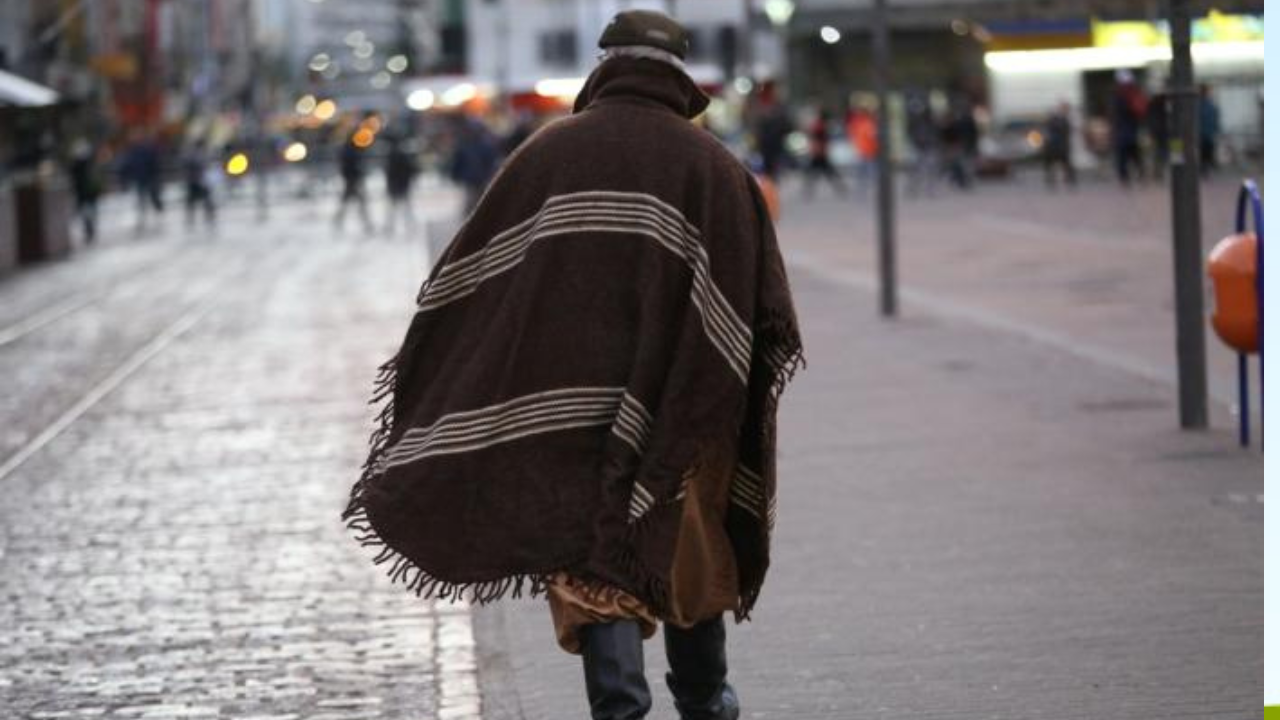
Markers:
{"x": 19, "y": 91}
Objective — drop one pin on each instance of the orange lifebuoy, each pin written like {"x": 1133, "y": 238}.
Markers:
{"x": 1233, "y": 268}
{"x": 771, "y": 199}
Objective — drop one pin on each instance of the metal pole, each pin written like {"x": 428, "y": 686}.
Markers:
{"x": 884, "y": 164}
{"x": 1255, "y": 200}
{"x": 1242, "y": 376}
{"x": 1188, "y": 259}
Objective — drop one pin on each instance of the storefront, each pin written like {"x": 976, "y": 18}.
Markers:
{"x": 1031, "y": 73}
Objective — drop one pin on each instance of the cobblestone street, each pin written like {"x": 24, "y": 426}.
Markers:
{"x": 182, "y": 418}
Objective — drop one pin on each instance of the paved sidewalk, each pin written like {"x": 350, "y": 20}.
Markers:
{"x": 973, "y": 523}
{"x": 1088, "y": 271}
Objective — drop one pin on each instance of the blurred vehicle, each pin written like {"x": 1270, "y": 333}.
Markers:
{"x": 1007, "y": 146}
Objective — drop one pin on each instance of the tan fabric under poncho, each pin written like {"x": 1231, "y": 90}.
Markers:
{"x": 704, "y": 578}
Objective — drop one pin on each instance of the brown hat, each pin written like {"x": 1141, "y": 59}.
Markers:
{"x": 647, "y": 28}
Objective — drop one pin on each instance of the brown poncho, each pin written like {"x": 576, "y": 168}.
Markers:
{"x": 613, "y": 311}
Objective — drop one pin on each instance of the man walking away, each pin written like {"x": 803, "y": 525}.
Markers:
{"x": 1057, "y": 146}
{"x": 584, "y": 404}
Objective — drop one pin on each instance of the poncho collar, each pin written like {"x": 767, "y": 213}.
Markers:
{"x": 643, "y": 82}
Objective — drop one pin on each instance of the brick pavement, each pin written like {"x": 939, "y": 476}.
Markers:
{"x": 175, "y": 550}
{"x": 973, "y": 523}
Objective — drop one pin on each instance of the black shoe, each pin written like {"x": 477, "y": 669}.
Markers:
{"x": 698, "y": 670}
{"x": 613, "y": 662}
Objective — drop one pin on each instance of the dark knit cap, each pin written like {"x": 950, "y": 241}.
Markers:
{"x": 647, "y": 28}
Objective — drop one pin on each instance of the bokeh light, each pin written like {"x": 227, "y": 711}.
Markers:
{"x": 295, "y": 152}
{"x": 238, "y": 165}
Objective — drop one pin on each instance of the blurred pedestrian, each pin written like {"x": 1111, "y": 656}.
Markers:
{"x": 922, "y": 133}
{"x": 1210, "y": 130}
{"x": 1056, "y": 150}
{"x": 86, "y": 185}
{"x": 1158, "y": 130}
{"x": 141, "y": 170}
{"x": 196, "y": 175}
{"x": 475, "y": 160}
{"x": 1128, "y": 113}
{"x": 954, "y": 137}
{"x": 264, "y": 158}
{"x": 585, "y": 400}
{"x": 772, "y": 129}
{"x": 351, "y": 168}
{"x": 401, "y": 171}
{"x": 966, "y": 125}
{"x": 520, "y": 131}
{"x": 820, "y": 155}
{"x": 864, "y": 136}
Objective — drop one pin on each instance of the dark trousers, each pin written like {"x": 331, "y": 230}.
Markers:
{"x": 1053, "y": 161}
{"x": 353, "y": 192}
{"x": 1208, "y": 156}
{"x": 613, "y": 664}
{"x": 1128, "y": 154}
{"x": 87, "y": 211}
{"x": 820, "y": 166}
{"x": 199, "y": 197}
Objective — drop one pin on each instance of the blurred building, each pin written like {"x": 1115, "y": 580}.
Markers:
{"x": 1016, "y": 59}
{"x": 1033, "y": 65}
{"x": 123, "y": 63}
{"x": 517, "y": 44}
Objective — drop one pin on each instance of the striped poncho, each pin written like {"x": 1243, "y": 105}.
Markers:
{"x": 615, "y": 308}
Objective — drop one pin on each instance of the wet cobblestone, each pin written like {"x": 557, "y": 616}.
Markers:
{"x": 176, "y": 552}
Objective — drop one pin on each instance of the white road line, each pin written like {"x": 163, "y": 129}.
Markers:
{"x": 208, "y": 298}
{"x": 110, "y": 383}
{"x": 30, "y": 324}
{"x": 49, "y": 315}
{"x": 950, "y": 309}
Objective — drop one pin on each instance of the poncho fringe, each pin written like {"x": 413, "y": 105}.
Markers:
{"x": 405, "y": 572}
